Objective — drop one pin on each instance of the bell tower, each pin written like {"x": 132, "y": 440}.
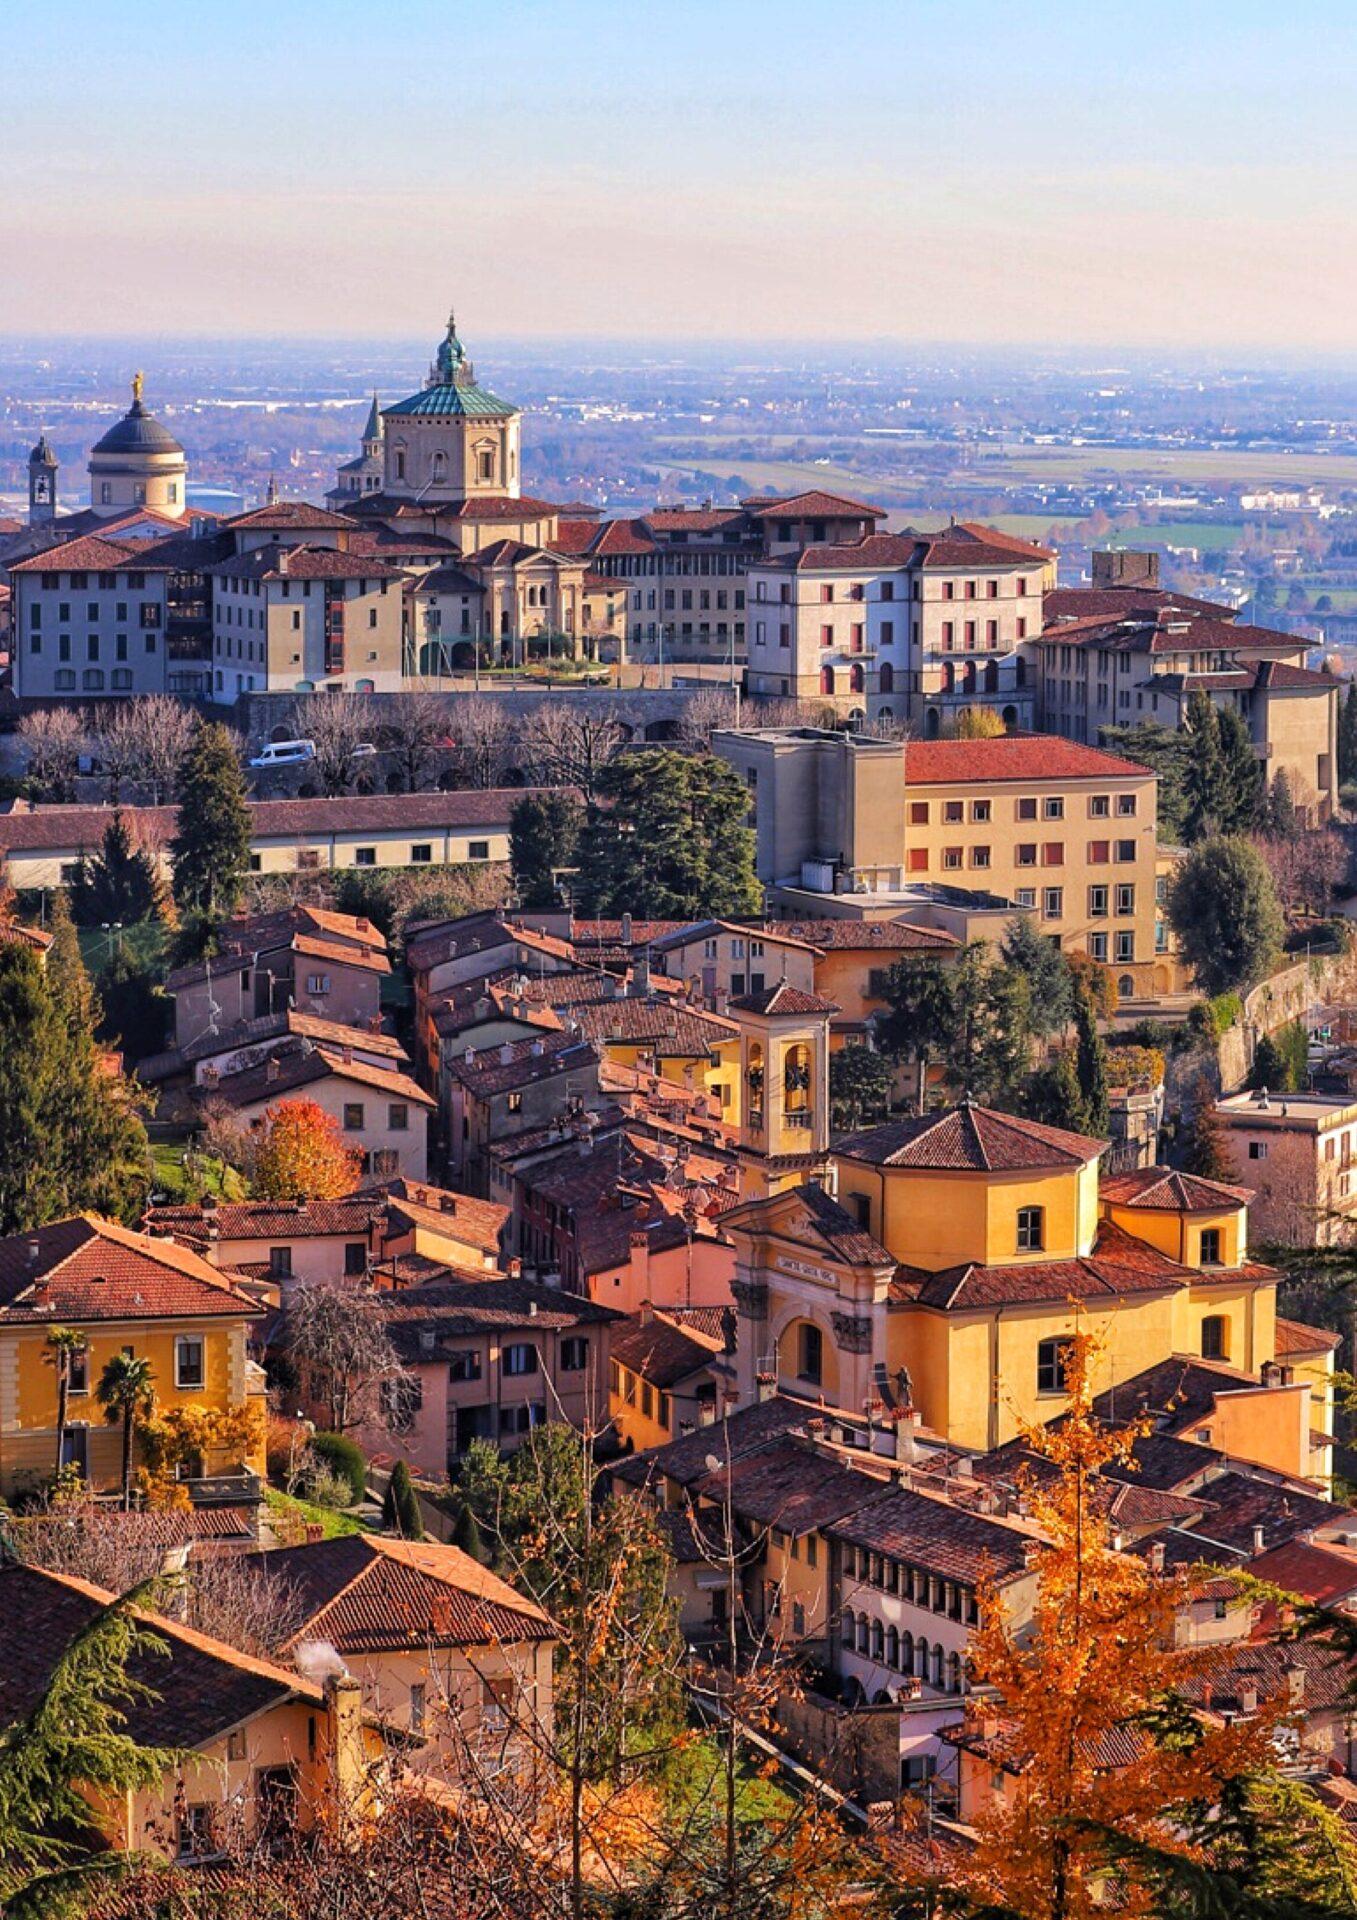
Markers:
{"x": 42, "y": 484}
{"x": 784, "y": 1087}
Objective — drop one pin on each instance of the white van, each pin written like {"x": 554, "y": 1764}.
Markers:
{"x": 285, "y": 753}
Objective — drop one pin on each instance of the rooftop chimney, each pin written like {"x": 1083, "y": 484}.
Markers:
{"x": 1258, "y": 1540}
{"x": 626, "y": 929}
{"x": 34, "y": 1250}
{"x": 271, "y": 1067}
{"x": 1248, "y": 1696}
{"x": 1155, "y": 1557}
{"x": 506, "y": 1054}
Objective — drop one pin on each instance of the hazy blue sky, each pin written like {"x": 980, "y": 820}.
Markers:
{"x": 1177, "y": 174}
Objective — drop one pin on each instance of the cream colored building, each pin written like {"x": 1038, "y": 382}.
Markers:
{"x": 904, "y": 627}
{"x": 298, "y": 619}
{"x": 1062, "y": 831}
{"x": 1298, "y": 1152}
{"x": 41, "y": 846}
{"x": 454, "y": 440}
{"x": 90, "y": 618}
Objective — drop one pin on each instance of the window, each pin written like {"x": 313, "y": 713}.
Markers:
{"x": 1126, "y": 806}
{"x": 980, "y": 810}
{"x": 421, "y": 854}
{"x": 1126, "y": 947}
{"x": 78, "y": 1370}
{"x": 1126, "y": 899}
{"x": 1051, "y": 1366}
{"x": 1025, "y": 897}
{"x": 1099, "y": 852}
{"x": 1097, "y": 947}
{"x": 196, "y": 1838}
{"x": 1027, "y": 809}
{"x": 1258, "y": 1149}
{"x": 810, "y": 1357}
{"x": 365, "y": 856}
{"x": 1053, "y": 903}
{"x": 1097, "y": 903}
{"x": 280, "y": 1262}
{"x": 478, "y": 850}
{"x": 188, "y": 1360}
{"x": 318, "y": 983}
{"x": 1027, "y": 853}
{"x": 398, "y": 1117}
{"x": 1053, "y": 853}
{"x": 953, "y": 812}
{"x": 979, "y": 856}
{"x": 1126, "y": 850}
{"x": 574, "y": 1354}
{"x": 1210, "y": 1247}
{"x": 353, "y": 1116}
{"x": 1213, "y": 1336}
{"x": 951, "y": 858}
{"x": 1099, "y": 806}
{"x": 464, "y": 1363}
{"x": 417, "y": 1706}
{"x": 1030, "y": 1229}
{"x": 355, "y": 1257}
{"x": 308, "y": 858}
{"x": 1053, "y": 808}
{"x": 520, "y": 1357}
{"x": 514, "y": 1103}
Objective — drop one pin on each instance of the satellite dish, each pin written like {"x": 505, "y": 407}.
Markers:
{"x": 713, "y": 1464}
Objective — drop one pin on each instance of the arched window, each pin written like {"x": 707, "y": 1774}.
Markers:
{"x": 954, "y": 1673}
{"x": 398, "y": 461}
{"x": 796, "y": 1078}
{"x": 948, "y": 677}
{"x": 848, "y": 1628}
{"x": 1126, "y": 987}
{"x": 939, "y": 1667}
{"x": 827, "y": 681}
{"x": 892, "y": 1646}
{"x": 968, "y": 677}
{"x": 1021, "y": 671}
{"x": 862, "y": 1633}
{"x": 810, "y": 1353}
{"x": 856, "y": 678}
{"x": 991, "y": 676}
{"x": 753, "y": 1074}
{"x": 1214, "y": 1343}
{"x": 886, "y": 678}
{"x": 921, "y": 1659}
{"x": 439, "y": 468}
{"x": 878, "y": 1640}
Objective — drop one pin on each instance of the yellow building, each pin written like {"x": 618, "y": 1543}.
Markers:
{"x": 123, "y": 1292}
{"x": 963, "y": 1251}
{"x": 782, "y": 1108}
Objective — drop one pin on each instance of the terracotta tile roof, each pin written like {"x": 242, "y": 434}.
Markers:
{"x": 25, "y": 828}
{"x": 659, "y": 1351}
{"x": 460, "y": 1216}
{"x": 1138, "y": 1506}
{"x": 813, "y": 505}
{"x": 439, "y": 941}
{"x": 1266, "y": 1666}
{"x": 774, "y": 932}
{"x": 665, "y": 1027}
{"x": 937, "y": 1535}
{"x": 366, "y": 1593}
{"x": 90, "y": 1269}
{"x": 1012, "y": 756}
{"x": 89, "y": 554}
{"x": 969, "y": 1139}
{"x": 284, "y": 1072}
{"x": 685, "y": 1460}
{"x": 784, "y": 998}
{"x": 13, "y": 933}
{"x": 452, "y": 578}
{"x": 521, "y": 1063}
{"x": 623, "y": 536}
{"x": 787, "y": 1483}
{"x": 288, "y": 514}
{"x": 259, "y": 1031}
{"x": 271, "y": 1220}
{"x": 874, "y": 935}
{"x": 193, "y": 1697}
{"x": 575, "y": 537}
{"x": 453, "y": 1306}
{"x": 301, "y": 563}
{"x": 1294, "y": 1337}
{"x": 1323, "y": 1575}
{"x": 1118, "y": 1265}
{"x": 1163, "y": 1189}
{"x": 1182, "y": 1389}
{"x": 1079, "y": 603}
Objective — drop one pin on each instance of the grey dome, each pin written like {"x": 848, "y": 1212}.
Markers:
{"x": 137, "y": 432}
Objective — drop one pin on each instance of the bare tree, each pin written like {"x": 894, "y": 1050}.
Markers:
{"x": 417, "y": 724}
{"x": 709, "y": 709}
{"x": 54, "y": 739}
{"x": 481, "y": 729}
{"x": 787, "y": 711}
{"x": 564, "y": 744}
{"x": 336, "y": 723}
{"x": 146, "y": 741}
{"x": 338, "y": 1337}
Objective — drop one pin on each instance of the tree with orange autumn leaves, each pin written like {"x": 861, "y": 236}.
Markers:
{"x": 300, "y": 1155}
{"x": 1116, "y": 1793}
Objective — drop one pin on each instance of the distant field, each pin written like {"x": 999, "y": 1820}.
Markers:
{"x": 1210, "y": 535}
{"x": 775, "y": 476}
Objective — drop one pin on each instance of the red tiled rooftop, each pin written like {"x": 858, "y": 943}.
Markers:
{"x": 970, "y": 1139}
{"x": 1164, "y": 1189}
{"x": 1035, "y": 757}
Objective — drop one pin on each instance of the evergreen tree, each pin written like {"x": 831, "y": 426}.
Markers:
{"x": 74, "y": 1736}
{"x": 70, "y": 1136}
{"x": 1205, "y": 787}
{"x": 671, "y": 840}
{"x": 989, "y": 1047}
{"x": 1047, "y": 972}
{"x": 1269, "y": 1068}
{"x": 119, "y": 885}
{"x": 1244, "y": 781}
{"x": 1091, "y": 1067}
{"x": 135, "y": 1008}
{"x": 1223, "y": 906}
{"x": 466, "y": 1534}
{"x": 1055, "y": 1098}
{"x": 1165, "y": 751}
{"x": 126, "y": 1392}
{"x": 859, "y": 1086}
{"x": 211, "y": 849}
{"x": 1347, "y": 736}
{"x": 917, "y": 1027}
{"x": 67, "y": 976}
{"x": 1280, "y": 812}
{"x": 1203, "y": 1150}
{"x": 544, "y": 834}
{"x": 400, "y": 1506}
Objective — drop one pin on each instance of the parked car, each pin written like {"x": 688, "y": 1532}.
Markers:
{"x": 363, "y": 751}
{"x": 285, "y": 753}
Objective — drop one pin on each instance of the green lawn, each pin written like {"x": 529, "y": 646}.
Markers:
{"x": 145, "y": 942}
{"x": 1211, "y": 536}
{"x": 334, "y": 1524}
{"x": 167, "y": 1162}
{"x": 694, "y": 1777}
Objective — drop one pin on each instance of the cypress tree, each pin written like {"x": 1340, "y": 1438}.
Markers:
{"x": 121, "y": 883}
{"x": 400, "y": 1506}
{"x": 1091, "y": 1067}
{"x": 1269, "y": 1068}
{"x": 1205, "y": 780}
{"x": 1244, "y": 782}
{"x": 1281, "y": 807}
{"x": 70, "y": 1135}
{"x": 211, "y": 849}
{"x": 1347, "y": 736}
{"x": 467, "y": 1535}
{"x": 67, "y": 977}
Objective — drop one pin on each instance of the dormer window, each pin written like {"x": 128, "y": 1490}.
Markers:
{"x": 1210, "y": 1247}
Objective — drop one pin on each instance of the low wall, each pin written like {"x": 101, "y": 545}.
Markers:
{"x": 1273, "y": 1003}
{"x": 649, "y": 714}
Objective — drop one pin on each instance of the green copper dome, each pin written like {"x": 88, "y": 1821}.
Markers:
{"x": 451, "y": 386}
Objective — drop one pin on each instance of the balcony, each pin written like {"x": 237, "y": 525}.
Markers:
{"x": 802, "y": 1121}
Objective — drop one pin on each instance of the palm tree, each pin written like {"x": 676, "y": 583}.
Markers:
{"x": 63, "y": 1343}
{"x": 126, "y": 1388}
